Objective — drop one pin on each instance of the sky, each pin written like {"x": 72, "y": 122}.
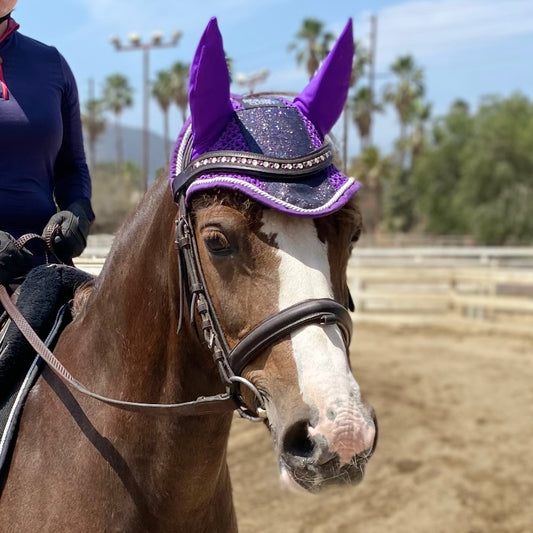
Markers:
{"x": 467, "y": 48}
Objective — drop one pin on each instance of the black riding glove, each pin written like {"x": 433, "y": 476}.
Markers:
{"x": 69, "y": 239}
{"x": 14, "y": 263}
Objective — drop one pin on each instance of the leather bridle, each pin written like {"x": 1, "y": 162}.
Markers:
{"x": 320, "y": 311}
{"x": 231, "y": 362}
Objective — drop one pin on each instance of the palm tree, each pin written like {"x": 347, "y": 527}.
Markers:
{"x": 360, "y": 61}
{"x": 163, "y": 92}
{"x": 316, "y": 44}
{"x": 363, "y": 109}
{"x": 421, "y": 113}
{"x": 404, "y": 93}
{"x": 94, "y": 124}
{"x": 118, "y": 95}
{"x": 372, "y": 169}
{"x": 180, "y": 84}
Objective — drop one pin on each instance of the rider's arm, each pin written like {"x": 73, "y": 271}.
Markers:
{"x": 71, "y": 174}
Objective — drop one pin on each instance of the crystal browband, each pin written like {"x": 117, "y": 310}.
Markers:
{"x": 260, "y": 165}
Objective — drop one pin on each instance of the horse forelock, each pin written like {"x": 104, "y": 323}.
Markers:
{"x": 233, "y": 199}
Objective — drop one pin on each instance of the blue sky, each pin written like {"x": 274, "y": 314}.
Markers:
{"x": 467, "y": 48}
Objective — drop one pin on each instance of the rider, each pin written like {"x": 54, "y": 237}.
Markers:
{"x": 44, "y": 178}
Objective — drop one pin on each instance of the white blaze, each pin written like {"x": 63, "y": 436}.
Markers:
{"x": 324, "y": 376}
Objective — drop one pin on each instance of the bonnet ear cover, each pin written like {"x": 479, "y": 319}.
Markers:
{"x": 323, "y": 99}
{"x": 302, "y": 181}
{"x": 209, "y": 90}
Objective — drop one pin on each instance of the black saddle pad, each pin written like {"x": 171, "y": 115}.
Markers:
{"x": 44, "y": 301}
{"x": 44, "y": 291}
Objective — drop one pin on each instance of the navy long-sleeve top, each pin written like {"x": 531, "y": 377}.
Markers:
{"x": 42, "y": 159}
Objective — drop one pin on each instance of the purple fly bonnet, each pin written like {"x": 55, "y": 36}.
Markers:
{"x": 267, "y": 147}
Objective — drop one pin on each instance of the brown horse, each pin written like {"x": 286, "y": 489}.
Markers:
{"x": 81, "y": 465}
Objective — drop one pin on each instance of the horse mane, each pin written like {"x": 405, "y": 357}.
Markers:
{"x": 81, "y": 296}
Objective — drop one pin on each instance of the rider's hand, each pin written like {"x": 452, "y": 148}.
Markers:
{"x": 13, "y": 262}
{"x": 70, "y": 236}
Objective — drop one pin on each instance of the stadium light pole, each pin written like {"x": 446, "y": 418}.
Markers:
{"x": 252, "y": 80}
{"x": 136, "y": 43}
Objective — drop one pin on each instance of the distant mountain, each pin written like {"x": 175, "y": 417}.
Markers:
{"x": 132, "y": 142}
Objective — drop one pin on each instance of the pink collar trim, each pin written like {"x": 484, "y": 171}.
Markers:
{"x": 12, "y": 27}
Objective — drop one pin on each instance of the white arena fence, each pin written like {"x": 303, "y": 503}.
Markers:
{"x": 477, "y": 282}
{"x": 470, "y": 281}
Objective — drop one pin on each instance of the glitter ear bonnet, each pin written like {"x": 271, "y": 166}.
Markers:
{"x": 268, "y": 147}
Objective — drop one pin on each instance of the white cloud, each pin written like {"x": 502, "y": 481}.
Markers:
{"x": 431, "y": 28}
{"x": 125, "y": 16}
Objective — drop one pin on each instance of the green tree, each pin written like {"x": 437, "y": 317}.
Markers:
{"x": 117, "y": 96}
{"x": 312, "y": 44}
{"x": 496, "y": 188}
{"x": 163, "y": 92}
{"x": 474, "y": 177}
{"x": 438, "y": 171}
{"x": 94, "y": 124}
{"x": 116, "y": 191}
{"x": 180, "y": 87}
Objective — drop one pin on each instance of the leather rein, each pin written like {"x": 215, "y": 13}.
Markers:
{"x": 229, "y": 362}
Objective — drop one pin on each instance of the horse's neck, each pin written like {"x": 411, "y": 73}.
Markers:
{"x": 131, "y": 320}
{"x": 135, "y": 300}
{"x": 125, "y": 344}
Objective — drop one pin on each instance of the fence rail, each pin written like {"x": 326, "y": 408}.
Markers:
{"x": 520, "y": 256}
{"x": 470, "y": 281}
{"x": 480, "y": 282}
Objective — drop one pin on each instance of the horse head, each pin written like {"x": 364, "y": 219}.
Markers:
{"x": 274, "y": 222}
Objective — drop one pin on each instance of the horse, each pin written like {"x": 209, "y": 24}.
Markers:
{"x": 227, "y": 294}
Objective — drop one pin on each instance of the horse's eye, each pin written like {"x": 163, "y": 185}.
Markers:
{"x": 217, "y": 243}
{"x": 355, "y": 237}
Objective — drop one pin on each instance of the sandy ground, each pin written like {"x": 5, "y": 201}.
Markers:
{"x": 455, "y": 455}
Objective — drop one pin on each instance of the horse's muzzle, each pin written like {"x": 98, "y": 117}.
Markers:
{"x": 307, "y": 460}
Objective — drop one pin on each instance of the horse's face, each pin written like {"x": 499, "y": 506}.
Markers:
{"x": 257, "y": 262}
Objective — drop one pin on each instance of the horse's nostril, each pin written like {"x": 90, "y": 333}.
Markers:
{"x": 297, "y": 441}
{"x": 375, "y": 442}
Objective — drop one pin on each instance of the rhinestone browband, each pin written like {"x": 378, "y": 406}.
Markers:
{"x": 250, "y": 163}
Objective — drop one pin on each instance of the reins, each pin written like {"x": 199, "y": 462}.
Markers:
{"x": 202, "y": 405}
{"x": 47, "y": 238}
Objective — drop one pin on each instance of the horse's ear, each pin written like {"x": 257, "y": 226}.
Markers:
{"x": 209, "y": 90}
{"x": 322, "y": 100}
